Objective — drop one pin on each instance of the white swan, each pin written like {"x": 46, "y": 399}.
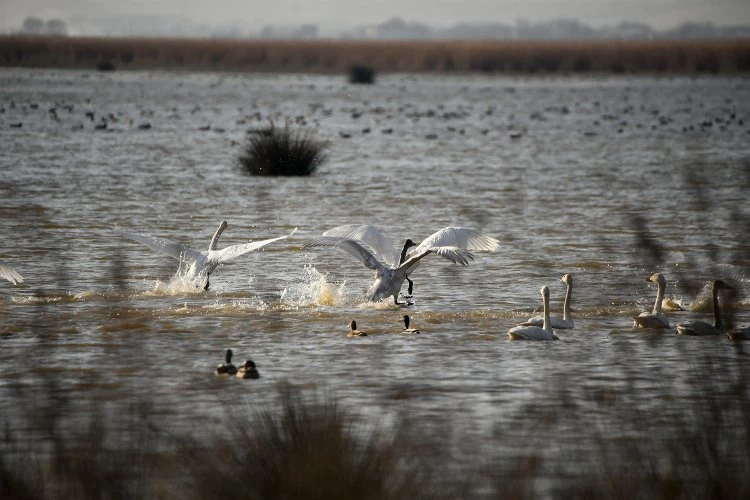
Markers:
{"x": 10, "y": 274}
{"x": 202, "y": 263}
{"x": 701, "y": 327}
{"x": 558, "y": 323}
{"x": 655, "y": 318}
{"x": 545, "y": 332}
{"x": 447, "y": 243}
{"x": 407, "y": 330}
{"x": 380, "y": 244}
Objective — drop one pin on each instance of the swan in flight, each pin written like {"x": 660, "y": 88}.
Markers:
{"x": 10, "y": 274}
{"x": 655, "y": 318}
{"x": 202, "y": 263}
{"x": 407, "y": 330}
{"x": 558, "y": 323}
{"x": 452, "y": 243}
{"x": 701, "y": 327}
{"x": 544, "y": 332}
{"x": 353, "y": 332}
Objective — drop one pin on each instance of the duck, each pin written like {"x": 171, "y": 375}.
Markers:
{"x": 353, "y": 332}
{"x": 558, "y": 323}
{"x": 655, "y": 318}
{"x": 739, "y": 333}
{"x": 544, "y": 332}
{"x": 702, "y": 328}
{"x": 226, "y": 368}
{"x": 10, "y": 274}
{"x": 248, "y": 370}
{"x": 452, "y": 243}
{"x": 407, "y": 330}
{"x": 200, "y": 264}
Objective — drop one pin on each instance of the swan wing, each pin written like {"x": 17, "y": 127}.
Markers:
{"x": 352, "y": 247}
{"x": 460, "y": 237}
{"x": 370, "y": 236}
{"x": 234, "y": 251}
{"x": 10, "y": 274}
{"x": 176, "y": 250}
{"x": 453, "y": 254}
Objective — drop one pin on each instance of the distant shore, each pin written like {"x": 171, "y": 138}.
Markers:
{"x": 666, "y": 57}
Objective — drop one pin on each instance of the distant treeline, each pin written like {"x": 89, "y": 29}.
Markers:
{"x": 337, "y": 56}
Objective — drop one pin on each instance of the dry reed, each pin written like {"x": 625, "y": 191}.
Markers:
{"x": 337, "y": 56}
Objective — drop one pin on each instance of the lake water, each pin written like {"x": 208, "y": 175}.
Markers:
{"x": 610, "y": 179}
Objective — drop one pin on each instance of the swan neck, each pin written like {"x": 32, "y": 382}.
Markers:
{"x": 660, "y": 287}
{"x": 566, "y": 304}
{"x": 215, "y": 239}
{"x": 547, "y": 324}
{"x": 403, "y": 253}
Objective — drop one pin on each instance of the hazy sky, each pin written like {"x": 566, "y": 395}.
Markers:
{"x": 329, "y": 13}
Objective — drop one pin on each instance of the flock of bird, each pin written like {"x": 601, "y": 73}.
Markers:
{"x": 455, "y": 244}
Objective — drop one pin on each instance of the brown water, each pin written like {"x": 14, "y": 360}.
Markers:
{"x": 558, "y": 169}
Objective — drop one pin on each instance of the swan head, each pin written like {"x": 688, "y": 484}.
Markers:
{"x": 353, "y": 325}
{"x": 657, "y": 278}
{"x": 567, "y": 279}
{"x": 228, "y": 356}
{"x": 409, "y": 243}
{"x": 544, "y": 291}
{"x": 223, "y": 225}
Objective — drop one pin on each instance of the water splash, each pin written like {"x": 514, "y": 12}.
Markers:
{"x": 313, "y": 289}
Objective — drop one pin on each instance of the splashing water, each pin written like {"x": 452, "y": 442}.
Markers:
{"x": 313, "y": 289}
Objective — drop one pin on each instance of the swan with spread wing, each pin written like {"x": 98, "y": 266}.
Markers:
{"x": 452, "y": 243}
{"x": 10, "y": 274}
{"x": 202, "y": 263}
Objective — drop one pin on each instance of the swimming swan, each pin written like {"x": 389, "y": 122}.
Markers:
{"x": 564, "y": 323}
{"x": 655, "y": 318}
{"x": 701, "y": 327}
{"x": 452, "y": 243}
{"x": 226, "y": 368}
{"x": 353, "y": 332}
{"x": 247, "y": 370}
{"x": 202, "y": 263}
{"x": 545, "y": 332}
{"x": 407, "y": 330}
{"x": 383, "y": 248}
{"x": 10, "y": 274}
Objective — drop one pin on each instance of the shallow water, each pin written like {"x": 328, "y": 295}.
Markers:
{"x": 559, "y": 169}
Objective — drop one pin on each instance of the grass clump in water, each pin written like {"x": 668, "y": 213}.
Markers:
{"x": 282, "y": 151}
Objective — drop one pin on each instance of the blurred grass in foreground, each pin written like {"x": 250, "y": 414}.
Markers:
{"x": 305, "y": 445}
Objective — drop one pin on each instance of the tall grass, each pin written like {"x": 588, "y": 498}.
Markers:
{"x": 329, "y": 56}
{"x": 282, "y": 151}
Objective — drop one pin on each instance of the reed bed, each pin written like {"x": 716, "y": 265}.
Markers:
{"x": 337, "y": 56}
